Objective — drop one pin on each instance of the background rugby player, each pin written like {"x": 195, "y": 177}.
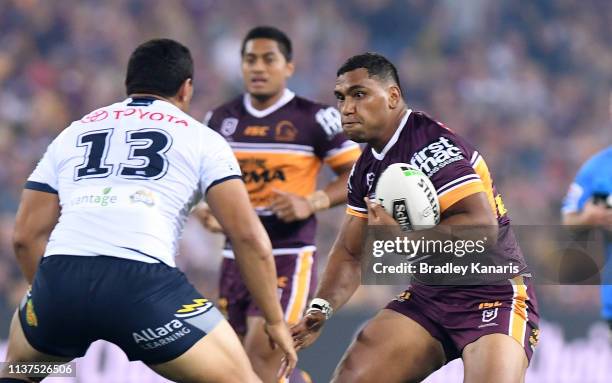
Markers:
{"x": 426, "y": 326}
{"x": 106, "y": 206}
{"x": 281, "y": 141}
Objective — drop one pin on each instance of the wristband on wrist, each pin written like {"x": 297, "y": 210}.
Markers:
{"x": 320, "y": 305}
{"x": 318, "y": 200}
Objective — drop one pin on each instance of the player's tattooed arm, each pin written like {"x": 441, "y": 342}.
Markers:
{"x": 37, "y": 216}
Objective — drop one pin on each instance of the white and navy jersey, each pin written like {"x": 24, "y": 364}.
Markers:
{"x": 127, "y": 176}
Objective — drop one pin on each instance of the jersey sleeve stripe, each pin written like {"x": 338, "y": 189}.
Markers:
{"x": 221, "y": 180}
{"x": 39, "y": 186}
{"x": 474, "y": 158}
{"x": 481, "y": 168}
{"x": 457, "y": 193}
{"x": 360, "y": 209}
{"x": 356, "y": 213}
{"x": 456, "y": 181}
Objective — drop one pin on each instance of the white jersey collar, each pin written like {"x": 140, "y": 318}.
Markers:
{"x": 285, "y": 98}
{"x": 165, "y": 102}
{"x": 380, "y": 156}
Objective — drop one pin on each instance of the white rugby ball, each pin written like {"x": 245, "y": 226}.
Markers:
{"x": 409, "y": 196}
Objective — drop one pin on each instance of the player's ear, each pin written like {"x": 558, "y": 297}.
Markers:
{"x": 395, "y": 96}
{"x": 185, "y": 92}
{"x": 290, "y": 69}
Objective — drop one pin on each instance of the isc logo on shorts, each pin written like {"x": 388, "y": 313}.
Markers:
{"x": 199, "y": 306}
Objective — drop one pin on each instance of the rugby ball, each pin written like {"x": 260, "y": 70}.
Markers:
{"x": 409, "y": 196}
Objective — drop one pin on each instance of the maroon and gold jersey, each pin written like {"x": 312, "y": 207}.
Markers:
{"x": 454, "y": 167}
{"x": 283, "y": 148}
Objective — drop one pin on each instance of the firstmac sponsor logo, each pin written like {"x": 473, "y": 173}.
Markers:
{"x": 436, "y": 156}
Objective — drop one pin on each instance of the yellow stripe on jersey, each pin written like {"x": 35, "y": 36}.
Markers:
{"x": 459, "y": 192}
{"x": 481, "y": 168}
{"x": 518, "y": 316}
{"x": 344, "y": 157}
{"x": 356, "y": 213}
{"x": 300, "y": 288}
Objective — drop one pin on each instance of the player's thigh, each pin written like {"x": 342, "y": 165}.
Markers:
{"x": 392, "y": 346}
{"x": 216, "y": 358}
{"x": 494, "y": 358}
{"x": 20, "y": 350}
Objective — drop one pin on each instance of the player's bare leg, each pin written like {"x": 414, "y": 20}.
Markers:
{"x": 216, "y": 358}
{"x": 266, "y": 361}
{"x": 20, "y": 350}
{"x": 494, "y": 358}
{"x": 392, "y": 346}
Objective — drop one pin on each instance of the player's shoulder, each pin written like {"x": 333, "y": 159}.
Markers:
{"x": 233, "y": 107}
{"x": 602, "y": 157}
{"x": 92, "y": 119}
{"x": 424, "y": 129}
{"x": 306, "y": 104}
{"x": 228, "y": 113}
{"x": 423, "y": 123}
{"x": 597, "y": 162}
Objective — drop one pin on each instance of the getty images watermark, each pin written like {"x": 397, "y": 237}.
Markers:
{"x": 548, "y": 254}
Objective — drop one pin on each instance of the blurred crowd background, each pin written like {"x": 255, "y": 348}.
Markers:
{"x": 527, "y": 82}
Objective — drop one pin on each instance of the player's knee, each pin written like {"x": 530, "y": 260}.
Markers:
{"x": 262, "y": 353}
{"x": 263, "y": 359}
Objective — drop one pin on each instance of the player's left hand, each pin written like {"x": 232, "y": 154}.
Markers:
{"x": 290, "y": 207}
{"x": 279, "y": 335}
{"x": 377, "y": 215}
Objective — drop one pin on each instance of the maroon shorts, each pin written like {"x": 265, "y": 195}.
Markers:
{"x": 296, "y": 281}
{"x": 458, "y": 316}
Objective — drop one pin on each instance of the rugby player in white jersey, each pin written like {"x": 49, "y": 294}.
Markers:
{"x": 105, "y": 208}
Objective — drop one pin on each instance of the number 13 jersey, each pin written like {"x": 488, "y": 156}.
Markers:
{"x": 127, "y": 176}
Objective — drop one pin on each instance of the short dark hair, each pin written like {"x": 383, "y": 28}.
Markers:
{"x": 272, "y": 33}
{"x": 376, "y": 65}
{"x": 160, "y": 67}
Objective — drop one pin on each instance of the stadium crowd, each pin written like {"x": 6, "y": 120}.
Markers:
{"x": 527, "y": 82}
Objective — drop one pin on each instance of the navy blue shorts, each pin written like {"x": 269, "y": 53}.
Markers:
{"x": 150, "y": 311}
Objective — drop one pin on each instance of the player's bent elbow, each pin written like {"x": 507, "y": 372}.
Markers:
{"x": 21, "y": 240}
{"x": 485, "y": 227}
{"x": 258, "y": 242}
